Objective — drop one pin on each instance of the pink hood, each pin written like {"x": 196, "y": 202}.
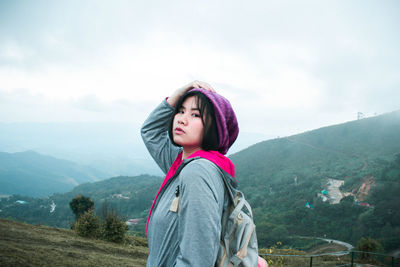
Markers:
{"x": 213, "y": 156}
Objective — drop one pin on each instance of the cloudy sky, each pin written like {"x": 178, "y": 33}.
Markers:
{"x": 286, "y": 66}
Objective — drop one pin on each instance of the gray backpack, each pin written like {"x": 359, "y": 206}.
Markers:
{"x": 238, "y": 245}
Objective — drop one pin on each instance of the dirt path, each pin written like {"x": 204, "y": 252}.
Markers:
{"x": 396, "y": 253}
{"x": 341, "y": 243}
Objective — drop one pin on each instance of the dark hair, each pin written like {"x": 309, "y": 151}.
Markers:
{"x": 210, "y": 132}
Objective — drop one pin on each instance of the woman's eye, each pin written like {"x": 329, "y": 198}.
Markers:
{"x": 196, "y": 115}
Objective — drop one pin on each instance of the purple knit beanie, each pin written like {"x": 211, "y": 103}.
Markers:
{"x": 225, "y": 118}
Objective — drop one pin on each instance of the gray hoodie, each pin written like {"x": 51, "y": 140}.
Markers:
{"x": 188, "y": 235}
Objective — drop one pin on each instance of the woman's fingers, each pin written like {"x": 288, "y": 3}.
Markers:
{"x": 181, "y": 91}
{"x": 204, "y": 85}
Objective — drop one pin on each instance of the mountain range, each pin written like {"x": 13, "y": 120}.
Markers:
{"x": 32, "y": 174}
{"x": 339, "y": 182}
{"x": 112, "y": 148}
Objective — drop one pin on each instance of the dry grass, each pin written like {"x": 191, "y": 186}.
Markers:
{"x": 29, "y": 245}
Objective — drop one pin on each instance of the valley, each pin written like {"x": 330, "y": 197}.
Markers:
{"x": 356, "y": 163}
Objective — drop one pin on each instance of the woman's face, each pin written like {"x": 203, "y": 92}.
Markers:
{"x": 187, "y": 126}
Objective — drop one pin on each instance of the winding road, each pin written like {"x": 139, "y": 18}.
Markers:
{"x": 340, "y": 253}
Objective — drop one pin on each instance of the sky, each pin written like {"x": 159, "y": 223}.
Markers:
{"x": 286, "y": 66}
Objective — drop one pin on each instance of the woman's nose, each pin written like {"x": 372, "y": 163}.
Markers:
{"x": 182, "y": 120}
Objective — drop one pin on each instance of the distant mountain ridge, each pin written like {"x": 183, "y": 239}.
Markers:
{"x": 32, "y": 174}
{"x": 113, "y": 148}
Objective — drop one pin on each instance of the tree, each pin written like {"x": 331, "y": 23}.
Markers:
{"x": 80, "y": 204}
{"x": 113, "y": 228}
{"x": 368, "y": 245}
{"x": 88, "y": 224}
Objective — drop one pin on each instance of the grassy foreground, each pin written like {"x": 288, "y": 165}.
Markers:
{"x": 31, "y": 245}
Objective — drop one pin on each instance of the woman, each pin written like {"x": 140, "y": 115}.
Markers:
{"x": 184, "y": 223}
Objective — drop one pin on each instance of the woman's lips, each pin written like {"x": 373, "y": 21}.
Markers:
{"x": 179, "y": 131}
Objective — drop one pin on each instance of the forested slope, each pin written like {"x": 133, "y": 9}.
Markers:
{"x": 280, "y": 176}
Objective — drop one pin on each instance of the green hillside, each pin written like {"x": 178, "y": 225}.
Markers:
{"x": 280, "y": 176}
{"x": 32, "y": 174}
{"x": 31, "y": 245}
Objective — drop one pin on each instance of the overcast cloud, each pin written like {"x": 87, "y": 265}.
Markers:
{"x": 286, "y": 66}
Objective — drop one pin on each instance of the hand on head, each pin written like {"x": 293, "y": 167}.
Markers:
{"x": 173, "y": 99}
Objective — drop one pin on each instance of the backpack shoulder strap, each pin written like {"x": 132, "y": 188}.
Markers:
{"x": 232, "y": 195}
{"x": 227, "y": 186}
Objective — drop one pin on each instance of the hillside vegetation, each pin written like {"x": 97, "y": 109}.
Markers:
{"x": 29, "y": 245}
{"x": 281, "y": 176}
{"x": 131, "y": 197}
